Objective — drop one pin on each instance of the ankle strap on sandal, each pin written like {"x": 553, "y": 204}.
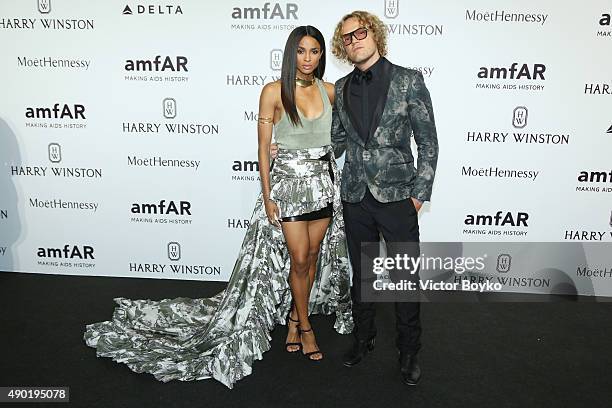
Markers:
{"x": 305, "y": 331}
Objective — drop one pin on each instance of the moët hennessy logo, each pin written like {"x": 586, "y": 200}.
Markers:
{"x": 519, "y": 117}
{"x": 55, "y": 153}
{"x": 174, "y": 251}
{"x": 44, "y": 6}
{"x": 391, "y": 8}
{"x": 503, "y": 263}
{"x": 169, "y": 107}
{"x": 276, "y": 59}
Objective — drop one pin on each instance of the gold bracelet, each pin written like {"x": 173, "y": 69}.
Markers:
{"x": 265, "y": 120}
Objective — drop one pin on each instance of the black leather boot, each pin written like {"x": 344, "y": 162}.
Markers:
{"x": 358, "y": 351}
{"x": 410, "y": 369}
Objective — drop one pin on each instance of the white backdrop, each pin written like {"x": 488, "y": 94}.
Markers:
{"x": 186, "y": 132}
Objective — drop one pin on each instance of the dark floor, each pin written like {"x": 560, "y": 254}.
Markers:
{"x": 474, "y": 355}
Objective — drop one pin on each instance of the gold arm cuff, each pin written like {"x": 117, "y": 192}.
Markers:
{"x": 265, "y": 120}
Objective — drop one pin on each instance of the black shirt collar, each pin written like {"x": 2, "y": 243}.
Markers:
{"x": 375, "y": 69}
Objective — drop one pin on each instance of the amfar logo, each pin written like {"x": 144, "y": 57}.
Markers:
{"x": 44, "y": 6}
{"x": 391, "y": 8}
{"x": 526, "y": 71}
{"x": 519, "y": 117}
{"x": 601, "y": 181}
{"x": 503, "y": 263}
{"x": 58, "y": 111}
{"x": 595, "y": 177}
{"x": 517, "y": 72}
{"x": 55, "y": 152}
{"x": 163, "y": 207}
{"x": 177, "y": 208}
{"x": 500, "y": 219}
{"x": 67, "y": 252}
{"x": 154, "y": 9}
{"x": 605, "y": 20}
{"x": 245, "y": 166}
{"x": 266, "y": 12}
{"x": 276, "y": 59}
{"x": 174, "y": 64}
{"x": 174, "y": 251}
{"x": 169, "y": 108}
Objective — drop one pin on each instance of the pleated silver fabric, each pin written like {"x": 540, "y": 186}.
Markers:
{"x": 220, "y": 337}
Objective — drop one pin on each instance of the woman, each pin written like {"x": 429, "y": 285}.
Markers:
{"x": 299, "y": 106}
{"x": 303, "y": 254}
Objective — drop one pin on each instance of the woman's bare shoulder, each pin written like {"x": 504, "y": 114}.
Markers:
{"x": 271, "y": 90}
{"x": 329, "y": 87}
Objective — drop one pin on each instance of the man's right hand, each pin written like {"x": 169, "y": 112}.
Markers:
{"x": 273, "y": 150}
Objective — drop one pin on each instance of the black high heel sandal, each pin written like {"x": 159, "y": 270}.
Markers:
{"x": 299, "y": 345}
{"x": 307, "y": 355}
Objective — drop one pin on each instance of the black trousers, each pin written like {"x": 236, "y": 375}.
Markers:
{"x": 398, "y": 222}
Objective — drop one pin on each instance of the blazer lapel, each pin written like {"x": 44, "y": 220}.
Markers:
{"x": 388, "y": 72}
{"x": 346, "y": 115}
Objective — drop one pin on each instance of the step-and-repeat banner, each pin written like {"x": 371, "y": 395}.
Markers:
{"x": 128, "y": 129}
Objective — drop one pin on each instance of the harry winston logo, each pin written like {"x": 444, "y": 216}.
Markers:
{"x": 276, "y": 59}
{"x": 169, "y": 106}
{"x": 55, "y": 153}
{"x": 174, "y": 251}
{"x": 44, "y": 6}
{"x": 503, "y": 263}
{"x": 127, "y": 10}
{"x": 391, "y": 8}
{"x": 519, "y": 117}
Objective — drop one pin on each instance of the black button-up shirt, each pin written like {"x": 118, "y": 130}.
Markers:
{"x": 366, "y": 90}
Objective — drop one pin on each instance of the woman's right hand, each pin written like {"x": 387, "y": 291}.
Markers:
{"x": 273, "y": 150}
{"x": 273, "y": 213}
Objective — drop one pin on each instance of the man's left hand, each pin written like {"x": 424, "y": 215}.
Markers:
{"x": 417, "y": 204}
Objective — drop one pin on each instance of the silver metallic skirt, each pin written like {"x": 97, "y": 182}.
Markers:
{"x": 220, "y": 337}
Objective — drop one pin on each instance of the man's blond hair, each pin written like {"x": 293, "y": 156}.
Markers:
{"x": 375, "y": 27}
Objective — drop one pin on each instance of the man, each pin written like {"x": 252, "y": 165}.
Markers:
{"x": 377, "y": 108}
